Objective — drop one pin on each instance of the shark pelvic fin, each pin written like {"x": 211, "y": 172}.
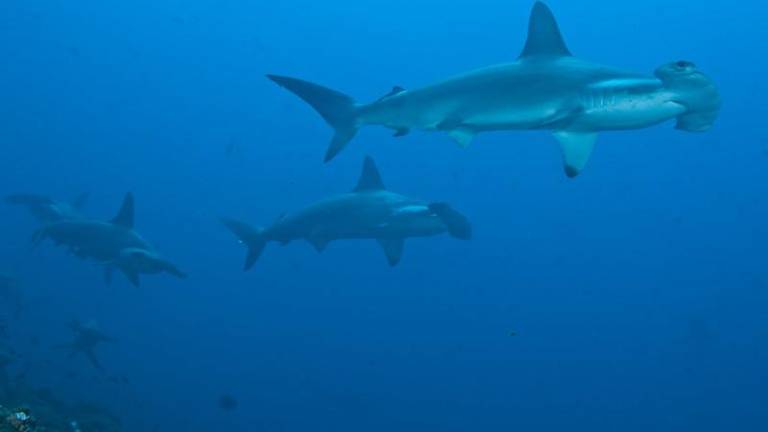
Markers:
{"x": 393, "y": 249}
{"x": 462, "y": 136}
{"x": 370, "y": 179}
{"x": 576, "y": 148}
{"x": 544, "y": 38}
{"x": 125, "y": 215}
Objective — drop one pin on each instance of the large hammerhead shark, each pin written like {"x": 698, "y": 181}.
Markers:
{"x": 545, "y": 88}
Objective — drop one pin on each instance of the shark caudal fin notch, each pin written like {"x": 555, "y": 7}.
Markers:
{"x": 576, "y": 148}
{"x": 125, "y": 215}
{"x": 336, "y": 108}
{"x": 544, "y": 38}
{"x": 370, "y": 179}
{"x": 252, "y": 238}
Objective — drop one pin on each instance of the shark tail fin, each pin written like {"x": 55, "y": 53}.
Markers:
{"x": 338, "y": 109}
{"x": 253, "y": 238}
{"x": 38, "y": 236}
{"x": 458, "y": 225}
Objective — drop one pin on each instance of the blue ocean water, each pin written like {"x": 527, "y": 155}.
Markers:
{"x": 632, "y": 298}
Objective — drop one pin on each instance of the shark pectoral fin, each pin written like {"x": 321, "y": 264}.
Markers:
{"x": 393, "y": 249}
{"x": 462, "y": 136}
{"x": 93, "y": 359}
{"x": 576, "y": 148}
{"x": 132, "y": 276}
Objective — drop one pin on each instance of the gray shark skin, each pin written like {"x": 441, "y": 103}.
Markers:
{"x": 115, "y": 244}
{"x": 135, "y": 261}
{"x": 47, "y": 210}
{"x": 87, "y": 338}
{"x": 545, "y": 88}
{"x": 368, "y": 212}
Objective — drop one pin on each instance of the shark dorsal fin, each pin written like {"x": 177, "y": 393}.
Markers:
{"x": 125, "y": 215}
{"x": 370, "y": 179}
{"x": 544, "y": 38}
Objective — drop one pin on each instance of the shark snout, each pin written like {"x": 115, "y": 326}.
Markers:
{"x": 694, "y": 90}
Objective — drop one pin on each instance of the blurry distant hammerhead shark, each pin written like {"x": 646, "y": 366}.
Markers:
{"x": 546, "y": 88}
{"x": 47, "y": 210}
{"x": 115, "y": 243}
{"x": 87, "y": 338}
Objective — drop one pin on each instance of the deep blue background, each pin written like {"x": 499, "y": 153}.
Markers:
{"x": 638, "y": 291}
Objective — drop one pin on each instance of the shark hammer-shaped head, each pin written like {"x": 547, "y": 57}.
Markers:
{"x": 135, "y": 261}
{"x": 694, "y": 90}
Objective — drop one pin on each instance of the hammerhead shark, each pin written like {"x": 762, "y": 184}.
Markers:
{"x": 370, "y": 211}
{"x": 115, "y": 243}
{"x": 546, "y": 88}
{"x": 87, "y": 338}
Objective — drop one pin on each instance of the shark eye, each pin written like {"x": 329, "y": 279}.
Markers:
{"x": 682, "y": 64}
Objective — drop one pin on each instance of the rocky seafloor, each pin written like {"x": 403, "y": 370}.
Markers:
{"x": 39, "y": 411}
